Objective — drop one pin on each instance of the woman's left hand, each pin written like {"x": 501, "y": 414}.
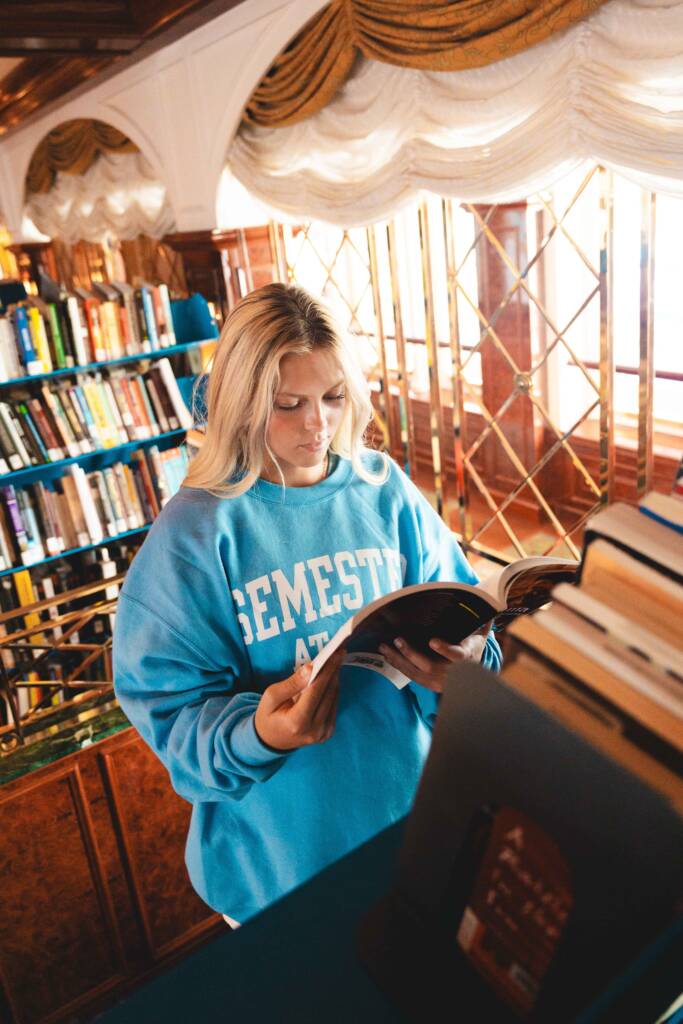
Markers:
{"x": 431, "y": 672}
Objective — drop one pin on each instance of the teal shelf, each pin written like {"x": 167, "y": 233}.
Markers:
{"x": 77, "y": 551}
{"x": 88, "y": 460}
{"x": 137, "y": 358}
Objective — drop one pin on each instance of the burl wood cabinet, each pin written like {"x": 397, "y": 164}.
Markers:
{"x": 94, "y": 894}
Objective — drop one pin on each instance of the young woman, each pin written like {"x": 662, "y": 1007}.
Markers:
{"x": 284, "y": 527}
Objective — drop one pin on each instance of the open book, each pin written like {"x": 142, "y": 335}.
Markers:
{"x": 445, "y": 610}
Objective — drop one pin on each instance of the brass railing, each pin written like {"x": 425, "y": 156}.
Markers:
{"x": 41, "y": 651}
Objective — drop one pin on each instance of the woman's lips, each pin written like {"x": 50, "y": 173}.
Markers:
{"x": 315, "y": 446}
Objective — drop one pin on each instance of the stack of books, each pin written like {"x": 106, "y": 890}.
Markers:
{"x": 94, "y": 412}
{"x": 78, "y": 509}
{"x": 606, "y": 656}
{"x": 82, "y": 327}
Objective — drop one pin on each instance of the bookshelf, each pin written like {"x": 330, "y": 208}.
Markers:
{"x": 171, "y": 351}
{"x": 78, "y": 551}
{"x": 90, "y": 452}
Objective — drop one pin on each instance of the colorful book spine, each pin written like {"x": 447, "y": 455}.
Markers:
{"x": 58, "y": 340}
{"x": 27, "y": 353}
{"x": 150, "y": 319}
{"x": 39, "y": 338}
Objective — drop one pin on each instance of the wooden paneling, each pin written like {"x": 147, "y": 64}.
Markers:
{"x": 68, "y": 42}
{"x": 95, "y": 894}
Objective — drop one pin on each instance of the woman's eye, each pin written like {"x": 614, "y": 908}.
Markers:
{"x": 335, "y": 398}
{"x": 287, "y": 408}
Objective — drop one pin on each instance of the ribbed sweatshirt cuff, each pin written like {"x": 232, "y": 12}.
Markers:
{"x": 249, "y": 748}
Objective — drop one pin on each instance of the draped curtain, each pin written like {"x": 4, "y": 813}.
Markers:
{"x": 608, "y": 89}
{"x": 87, "y": 178}
{"x": 119, "y": 192}
{"x": 423, "y": 34}
{"x": 72, "y": 148}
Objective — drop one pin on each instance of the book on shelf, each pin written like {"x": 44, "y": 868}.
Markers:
{"x": 13, "y": 449}
{"x": 450, "y": 611}
{"x": 131, "y": 326}
{"x": 666, "y": 509}
{"x": 79, "y": 330}
{"x": 178, "y": 406}
{"x": 615, "y": 640}
{"x": 36, "y": 326}
{"x": 157, "y": 404}
{"x": 145, "y": 294}
{"x": 10, "y": 366}
{"x": 638, "y": 534}
{"x": 27, "y": 354}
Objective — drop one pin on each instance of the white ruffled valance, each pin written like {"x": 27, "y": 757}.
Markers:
{"x": 608, "y": 90}
{"x": 119, "y": 193}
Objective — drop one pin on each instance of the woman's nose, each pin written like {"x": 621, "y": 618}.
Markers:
{"x": 315, "y": 419}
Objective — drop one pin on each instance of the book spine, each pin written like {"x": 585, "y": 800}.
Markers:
{"x": 67, "y": 525}
{"x": 134, "y": 337}
{"x": 39, "y": 338}
{"x": 80, "y": 403}
{"x": 32, "y": 429}
{"x": 67, "y": 332}
{"x": 160, "y": 317}
{"x": 143, "y": 331}
{"x": 182, "y": 412}
{"x": 131, "y": 512}
{"x": 142, "y": 429}
{"x": 157, "y": 405}
{"x": 97, "y": 476}
{"x": 44, "y": 426}
{"x": 56, "y": 327}
{"x": 21, "y": 458}
{"x": 14, "y": 521}
{"x": 115, "y": 499}
{"x": 93, "y": 524}
{"x": 148, "y": 310}
{"x": 114, "y": 412}
{"x": 166, "y": 303}
{"x": 8, "y": 349}
{"x": 157, "y": 475}
{"x": 51, "y": 535}
{"x": 97, "y": 409}
{"x": 59, "y": 423}
{"x": 139, "y": 384}
{"x": 35, "y": 551}
{"x": 27, "y": 353}
{"x": 125, "y": 411}
{"x": 7, "y": 443}
{"x": 77, "y": 428}
{"x": 98, "y": 347}
{"x": 24, "y": 438}
{"x": 134, "y": 498}
{"x": 79, "y": 331}
{"x": 145, "y": 476}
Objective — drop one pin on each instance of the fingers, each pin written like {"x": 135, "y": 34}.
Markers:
{"x": 279, "y": 693}
{"x": 451, "y": 652}
{"x": 405, "y": 664}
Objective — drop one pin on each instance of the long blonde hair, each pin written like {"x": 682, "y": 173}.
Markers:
{"x": 265, "y": 326}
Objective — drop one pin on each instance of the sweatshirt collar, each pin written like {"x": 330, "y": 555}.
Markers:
{"x": 338, "y": 477}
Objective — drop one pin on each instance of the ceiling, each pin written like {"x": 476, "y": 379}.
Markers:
{"x": 50, "y": 47}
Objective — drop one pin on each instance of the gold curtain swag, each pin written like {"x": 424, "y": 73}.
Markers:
{"x": 432, "y": 36}
{"x": 73, "y": 147}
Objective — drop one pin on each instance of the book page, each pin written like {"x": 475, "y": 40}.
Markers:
{"x": 527, "y": 583}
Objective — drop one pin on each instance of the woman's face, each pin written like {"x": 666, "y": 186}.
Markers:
{"x": 307, "y": 411}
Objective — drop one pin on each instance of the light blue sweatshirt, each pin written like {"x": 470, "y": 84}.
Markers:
{"x": 229, "y": 595}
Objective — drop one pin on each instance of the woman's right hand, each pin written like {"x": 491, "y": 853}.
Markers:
{"x": 292, "y": 714}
